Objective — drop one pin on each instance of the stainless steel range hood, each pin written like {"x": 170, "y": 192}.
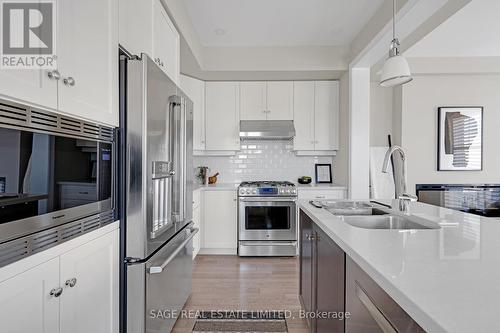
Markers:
{"x": 267, "y": 129}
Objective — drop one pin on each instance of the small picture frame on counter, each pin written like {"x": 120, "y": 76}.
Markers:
{"x": 323, "y": 173}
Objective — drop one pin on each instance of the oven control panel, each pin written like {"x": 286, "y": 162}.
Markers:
{"x": 267, "y": 192}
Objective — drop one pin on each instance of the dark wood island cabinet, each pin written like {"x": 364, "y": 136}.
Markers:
{"x": 333, "y": 285}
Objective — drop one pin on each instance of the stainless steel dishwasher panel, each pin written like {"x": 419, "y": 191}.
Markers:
{"x": 168, "y": 281}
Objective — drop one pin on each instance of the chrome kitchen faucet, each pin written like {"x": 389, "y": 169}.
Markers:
{"x": 404, "y": 198}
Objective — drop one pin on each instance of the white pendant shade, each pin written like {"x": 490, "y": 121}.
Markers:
{"x": 395, "y": 71}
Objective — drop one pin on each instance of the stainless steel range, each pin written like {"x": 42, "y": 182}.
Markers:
{"x": 267, "y": 219}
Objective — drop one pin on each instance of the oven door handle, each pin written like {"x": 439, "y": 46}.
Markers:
{"x": 267, "y": 199}
{"x": 159, "y": 269}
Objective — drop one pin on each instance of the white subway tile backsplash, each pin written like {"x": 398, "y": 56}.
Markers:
{"x": 262, "y": 160}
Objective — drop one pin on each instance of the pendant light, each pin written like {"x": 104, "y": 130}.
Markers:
{"x": 396, "y": 70}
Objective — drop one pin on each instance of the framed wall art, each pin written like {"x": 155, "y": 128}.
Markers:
{"x": 460, "y": 138}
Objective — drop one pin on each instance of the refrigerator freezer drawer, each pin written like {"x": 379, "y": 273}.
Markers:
{"x": 160, "y": 286}
{"x": 168, "y": 282}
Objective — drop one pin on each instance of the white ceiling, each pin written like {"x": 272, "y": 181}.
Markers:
{"x": 268, "y": 23}
{"x": 474, "y": 31}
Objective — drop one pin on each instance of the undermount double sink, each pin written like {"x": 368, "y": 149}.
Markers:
{"x": 384, "y": 222}
{"x": 363, "y": 215}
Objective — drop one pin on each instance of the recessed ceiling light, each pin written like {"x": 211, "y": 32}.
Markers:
{"x": 220, "y": 32}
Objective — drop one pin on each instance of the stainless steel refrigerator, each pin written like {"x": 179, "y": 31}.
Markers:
{"x": 157, "y": 183}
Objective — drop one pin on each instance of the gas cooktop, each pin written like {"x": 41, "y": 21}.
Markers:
{"x": 267, "y": 189}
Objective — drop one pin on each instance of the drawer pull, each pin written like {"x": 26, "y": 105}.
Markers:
{"x": 159, "y": 269}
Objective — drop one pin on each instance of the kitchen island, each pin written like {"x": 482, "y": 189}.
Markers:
{"x": 445, "y": 279}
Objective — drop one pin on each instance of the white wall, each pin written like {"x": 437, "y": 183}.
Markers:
{"x": 341, "y": 160}
{"x": 381, "y": 111}
{"x": 420, "y": 100}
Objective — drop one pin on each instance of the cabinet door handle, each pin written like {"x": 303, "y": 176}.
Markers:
{"x": 71, "y": 282}
{"x": 69, "y": 81}
{"x": 309, "y": 237}
{"x": 54, "y": 75}
{"x": 374, "y": 312}
{"x": 56, "y": 292}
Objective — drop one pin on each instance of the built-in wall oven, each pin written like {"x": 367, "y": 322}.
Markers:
{"x": 57, "y": 179}
{"x": 267, "y": 219}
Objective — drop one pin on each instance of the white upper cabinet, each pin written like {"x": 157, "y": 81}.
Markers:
{"x": 222, "y": 116}
{"x": 326, "y": 115}
{"x": 145, "y": 27}
{"x": 25, "y": 301}
{"x": 88, "y": 59}
{"x": 316, "y": 115}
{"x": 28, "y": 86}
{"x": 253, "y": 100}
{"x": 195, "y": 89}
{"x": 89, "y": 276}
{"x": 303, "y": 115}
{"x": 166, "y": 42}
{"x": 266, "y": 100}
{"x": 279, "y": 100}
{"x": 85, "y": 83}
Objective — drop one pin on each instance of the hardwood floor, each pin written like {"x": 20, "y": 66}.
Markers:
{"x": 234, "y": 283}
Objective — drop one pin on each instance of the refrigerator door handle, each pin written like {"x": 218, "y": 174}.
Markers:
{"x": 159, "y": 269}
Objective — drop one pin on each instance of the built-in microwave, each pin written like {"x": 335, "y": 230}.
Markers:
{"x": 57, "y": 179}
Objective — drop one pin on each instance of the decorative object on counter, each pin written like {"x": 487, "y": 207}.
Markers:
{"x": 213, "y": 179}
{"x": 202, "y": 175}
{"x": 460, "y": 138}
{"x": 304, "y": 180}
{"x": 323, "y": 173}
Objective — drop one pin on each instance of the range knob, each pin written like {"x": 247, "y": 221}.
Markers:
{"x": 242, "y": 191}
{"x": 247, "y": 191}
{"x": 294, "y": 191}
{"x": 254, "y": 191}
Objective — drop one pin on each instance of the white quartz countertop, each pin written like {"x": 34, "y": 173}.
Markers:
{"x": 313, "y": 186}
{"x": 217, "y": 187}
{"x": 234, "y": 186}
{"x": 447, "y": 279}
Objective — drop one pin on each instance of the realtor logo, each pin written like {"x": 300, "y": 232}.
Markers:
{"x": 28, "y": 34}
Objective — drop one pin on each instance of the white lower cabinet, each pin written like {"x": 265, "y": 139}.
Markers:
{"x": 75, "y": 291}
{"x": 197, "y": 210}
{"x": 25, "y": 301}
{"x": 91, "y": 304}
{"x": 220, "y": 222}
